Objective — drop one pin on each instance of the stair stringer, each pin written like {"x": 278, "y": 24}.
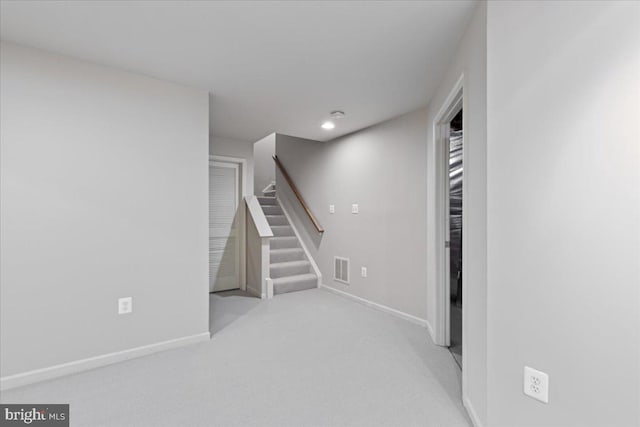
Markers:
{"x": 314, "y": 266}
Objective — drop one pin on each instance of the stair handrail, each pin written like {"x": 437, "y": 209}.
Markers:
{"x": 286, "y": 176}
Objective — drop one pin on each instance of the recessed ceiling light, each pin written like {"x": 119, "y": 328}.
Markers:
{"x": 328, "y": 125}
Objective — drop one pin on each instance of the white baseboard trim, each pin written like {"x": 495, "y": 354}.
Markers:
{"x": 37, "y": 375}
{"x": 384, "y": 308}
{"x": 472, "y": 412}
{"x": 256, "y": 293}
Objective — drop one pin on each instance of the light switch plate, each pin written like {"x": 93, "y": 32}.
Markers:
{"x": 536, "y": 384}
{"x": 363, "y": 271}
{"x": 332, "y": 208}
{"x": 125, "y": 305}
{"x": 355, "y": 209}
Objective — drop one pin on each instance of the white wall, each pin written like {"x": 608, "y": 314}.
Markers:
{"x": 382, "y": 169}
{"x": 230, "y": 147}
{"x": 388, "y": 169}
{"x": 470, "y": 60}
{"x": 265, "y": 172}
{"x": 564, "y": 211}
{"x": 103, "y": 195}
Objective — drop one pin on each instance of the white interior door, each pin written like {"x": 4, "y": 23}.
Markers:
{"x": 224, "y": 218}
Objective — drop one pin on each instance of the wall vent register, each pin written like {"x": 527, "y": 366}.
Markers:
{"x": 341, "y": 270}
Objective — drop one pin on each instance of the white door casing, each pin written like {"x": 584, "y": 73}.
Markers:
{"x": 451, "y": 106}
{"x": 445, "y": 131}
{"x": 455, "y": 101}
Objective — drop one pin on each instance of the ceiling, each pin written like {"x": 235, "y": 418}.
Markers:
{"x": 271, "y": 66}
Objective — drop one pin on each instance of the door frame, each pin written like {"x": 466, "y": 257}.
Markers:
{"x": 242, "y": 211}
{"x": 455, "y": 101}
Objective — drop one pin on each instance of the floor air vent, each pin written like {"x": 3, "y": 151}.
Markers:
{"x": 341, "y": 270}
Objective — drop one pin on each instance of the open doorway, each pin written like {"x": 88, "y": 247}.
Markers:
{"x": 449, "y": 188}
{"x": 228, "y": 298}
{"x": 454, "y": 202}
{"x": 226, "y": 224}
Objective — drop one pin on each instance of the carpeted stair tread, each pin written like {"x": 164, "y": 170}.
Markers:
{"x": 277, "y": 219}
{"x": 289, "y": 268}
{"x": 272, "y": 210}
{"x": 286, "y": 254}
{"x": 271, "y": 201}
{"x": 282, "y": 230}
{"x": 282, "y": 242}
{"x": 299, "y": 282}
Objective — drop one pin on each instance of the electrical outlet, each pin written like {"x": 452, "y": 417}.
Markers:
{"x": 354, "y": 209}
{"x": 125, "y": 305}
{"x": 332, "y": 208}
{"x": 363, "y": 271}
{"x": 536, "y": 384}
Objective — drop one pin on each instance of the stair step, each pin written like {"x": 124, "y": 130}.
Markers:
{"x": 282, "y": 242}
{"x": 300, "y": 282}
{"x": 272, "y": 210}
{"x": 282, "y": 230}
{"x": 272, "y": 201}
{"x": 289, "y": 268}
{"x": 277, "y": 220}
{"x": 269, "y": 193}
{"x": 284, "y": 255}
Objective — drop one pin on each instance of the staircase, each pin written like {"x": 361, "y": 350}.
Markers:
{"x": 289, "y": 267}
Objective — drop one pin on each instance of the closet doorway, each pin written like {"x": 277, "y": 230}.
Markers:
{"x": 226, "y": 223}
{"x": 449, "y": 186}
{"x": 454, "y": 232}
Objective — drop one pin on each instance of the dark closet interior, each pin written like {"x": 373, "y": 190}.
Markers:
{"x": 455, "y": 235}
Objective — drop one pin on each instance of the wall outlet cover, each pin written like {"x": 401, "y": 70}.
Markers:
{"x": 355, "y": 209}
{"x": 332, "y": 208}
{"x": 125, "y": 305}
{"x": 536, "y": 384}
